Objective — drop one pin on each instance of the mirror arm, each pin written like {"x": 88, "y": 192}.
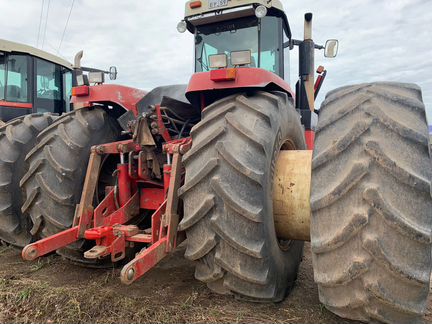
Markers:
{"x": 87, "y": 69}
{"x": 296, "y": 42}
{"x": 291, "y": 43}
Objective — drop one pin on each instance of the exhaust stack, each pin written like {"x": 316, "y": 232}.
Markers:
{"x": 309, "y": 47}
{"x": 77, "y": 60}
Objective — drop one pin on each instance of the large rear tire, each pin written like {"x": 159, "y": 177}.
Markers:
{"x": 17, "y": 138}
{"x": 57, "y": 168}
{"x": 371, "y": 203}
{"x": 228, "y": 206}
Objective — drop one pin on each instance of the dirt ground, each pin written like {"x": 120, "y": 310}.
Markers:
{"x": 53, "y": 290}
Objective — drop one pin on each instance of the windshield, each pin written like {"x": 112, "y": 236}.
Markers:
{"x": 260, "y": 36}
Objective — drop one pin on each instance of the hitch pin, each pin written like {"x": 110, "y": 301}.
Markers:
{"x": 122, "y": 160}
{"x": 168, "y": 159}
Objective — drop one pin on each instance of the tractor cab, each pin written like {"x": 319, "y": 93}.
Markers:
{"x": 231, "y": 34}
{"x": 35, "y": 81}
{"x": 235, "y": 34}
{"x": 32, "y": 81}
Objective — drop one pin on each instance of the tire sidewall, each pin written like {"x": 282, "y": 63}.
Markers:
{"x": 287, "y": 127}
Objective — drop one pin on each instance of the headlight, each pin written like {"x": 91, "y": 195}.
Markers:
{"x": 182, "y": 26}
{"x": 261, "y": 11}
{"x": 218, "y": 61}
{"x": 241, "y": 58}
{"x": 96, "y": 77}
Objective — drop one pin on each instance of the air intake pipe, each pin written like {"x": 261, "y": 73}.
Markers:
{"x": 307, "y": 62}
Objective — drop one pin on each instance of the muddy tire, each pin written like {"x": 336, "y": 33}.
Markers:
{"x": 57, "y": 167}
{"x": 371, "y": 203}
{"x": 17, "y": 138}
{"x": 227, "y": 195}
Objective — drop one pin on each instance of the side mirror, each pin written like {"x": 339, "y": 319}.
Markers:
{"x": 331, "y": 48}
{"x": 113, "y": 73}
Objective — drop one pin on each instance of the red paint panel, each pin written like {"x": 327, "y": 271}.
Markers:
{"x": 245, "y": 78}
{"x": 151, "y": 198}
{"x": 124, "y": 96}
{"x": 105, "y": 208}
{"x": 310, "y": 139}
{"x": 120, "y": 216}
{"x": 124, "y": 184}
{"x": 16, "y": 104}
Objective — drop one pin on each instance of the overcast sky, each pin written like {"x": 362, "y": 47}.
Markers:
{"x": 379, "y": 39}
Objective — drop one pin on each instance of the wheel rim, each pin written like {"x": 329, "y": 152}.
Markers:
{"x": 284, "y": 245}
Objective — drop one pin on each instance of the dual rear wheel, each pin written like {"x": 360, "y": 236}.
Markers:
{"x": 17, "y": 139}
{"x": 370, "y": 199}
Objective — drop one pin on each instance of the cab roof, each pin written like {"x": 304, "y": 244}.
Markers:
{"x": 8, "y": 46}
{"x": 195, "y": 14}
{"x": 205, "y": 5}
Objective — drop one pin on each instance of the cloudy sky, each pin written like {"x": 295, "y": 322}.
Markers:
{"x": 379, "y": 39}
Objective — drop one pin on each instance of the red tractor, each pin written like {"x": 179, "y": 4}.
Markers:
{"x": 226, "y": 163}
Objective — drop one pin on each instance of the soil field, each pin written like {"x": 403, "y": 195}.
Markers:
{"x": 54, "y": 290}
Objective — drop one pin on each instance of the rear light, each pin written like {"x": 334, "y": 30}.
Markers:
{"x": 195, "y": 4}
{"x": 80, "y": 91}
{"x": 223, "y": 75}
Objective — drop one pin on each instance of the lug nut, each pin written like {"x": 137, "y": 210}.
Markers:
{"x": 155, "y": 131}
{"x": 154, "y": 125}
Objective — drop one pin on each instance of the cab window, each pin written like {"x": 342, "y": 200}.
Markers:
{"x": 48, "y": 80}
{"x": 270, "y": 44}
{"x": 207, "y": 51}
{"x": 67, "y": 89}
{"x": 16, "y": 88}
{"x": 49, "y": 87}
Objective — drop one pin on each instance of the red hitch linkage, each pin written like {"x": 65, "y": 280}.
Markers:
{"x": 167, "y": 215}
{"x": 106, "y": 224}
